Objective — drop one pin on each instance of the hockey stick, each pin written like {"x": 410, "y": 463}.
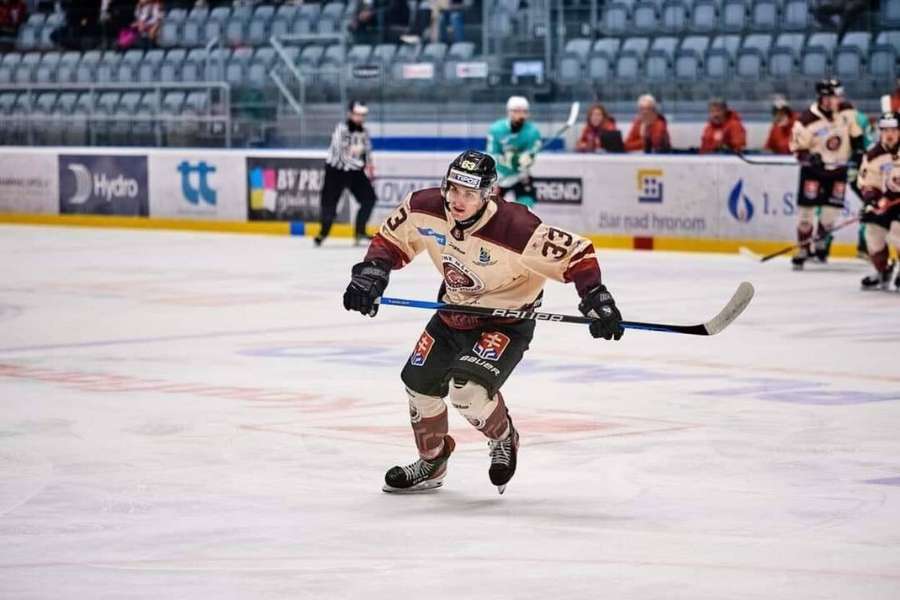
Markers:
{"x": 573, "y": 114}
{"x": 744, "y": 251}
{"x": 726, "y": 316}
{"x": 773, "y": 163}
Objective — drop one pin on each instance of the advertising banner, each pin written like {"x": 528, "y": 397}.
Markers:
{"x": 29, "y": 183}
{"x": 103, "y": 185}
{"x": 198, "y": 186}
{"x": 286, "y": 189}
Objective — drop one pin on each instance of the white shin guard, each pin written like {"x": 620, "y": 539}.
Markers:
{"x": 486, "y": 414}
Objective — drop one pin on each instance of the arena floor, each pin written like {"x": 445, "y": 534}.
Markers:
{"x": 195, "y": 416}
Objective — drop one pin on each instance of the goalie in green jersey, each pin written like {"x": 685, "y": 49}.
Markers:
{"x": 514, "y": 142}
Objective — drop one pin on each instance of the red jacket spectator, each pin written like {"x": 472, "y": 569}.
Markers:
{"x": 12, "y": 14}
{"x": 598, "y": 121}
{"x": 724, "y": 130}
{"x": 779, "y": 138}
{"x": 653, "y": 137}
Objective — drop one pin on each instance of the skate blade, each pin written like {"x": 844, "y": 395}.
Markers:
{"x": 501, "y": 489}
{"x": 425, "y": 486}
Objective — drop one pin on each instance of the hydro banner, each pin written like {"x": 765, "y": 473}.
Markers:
{"x": 198, "y": 186}
{"x": 286, "y": 189}
{"x": 29, "y": 183}
{"x": 99, "y": 184}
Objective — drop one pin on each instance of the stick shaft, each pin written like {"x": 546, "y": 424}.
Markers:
{"x": 537, "y": 316}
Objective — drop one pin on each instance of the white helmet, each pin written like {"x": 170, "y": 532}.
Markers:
{"x": 517, "y": 103}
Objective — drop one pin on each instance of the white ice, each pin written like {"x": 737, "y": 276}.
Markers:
{"x": 195, "y": 416}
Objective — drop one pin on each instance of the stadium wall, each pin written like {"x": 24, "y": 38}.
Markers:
{"x": 676, "y": 202}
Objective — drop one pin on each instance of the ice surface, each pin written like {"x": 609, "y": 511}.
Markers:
{"x": 195, "y": 416}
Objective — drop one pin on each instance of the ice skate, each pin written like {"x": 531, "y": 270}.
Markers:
{"x": 800, "y": 258}
{"x": 503, "y": 458}
{"x": 879, "y": 280}
{"x": 421, "y": 475}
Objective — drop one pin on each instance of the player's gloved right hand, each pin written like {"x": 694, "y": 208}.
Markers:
{"x": 598, "y": 304}
{"x": 815, "y": 161}
{"x": 367, "y": 283}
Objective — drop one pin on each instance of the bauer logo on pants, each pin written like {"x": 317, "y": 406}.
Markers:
{"x": 491, "y": 345}
{"x": 422, "y": 350}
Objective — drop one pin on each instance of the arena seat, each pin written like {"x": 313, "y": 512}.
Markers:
{"x": 29, "y": 37}
{"x": 571, "y": 64}
{"x": 784, "y": 57}
{"x": 689, "y": 57}
{"x": 884, "y": 54}
{"x": 660, "y": 58}
{"x": 851, "y": 54}
{"x": 25, "y": 70}
{"x": 602, "y": 59}
{"x": 260, "y": 25}
{"x": 47, "y": 68}
{"x": 645, "y": 17}
{"x": 735, "y": 15}
{"x": 750, "y": 62}
{"x": 170, "y": 68}
{"x": 816, "y": 58}
{"x": 721, "y": 56}
{"x": 674, "y": 16}
{"x": 68, "y": 66}
{"x": 617, "y": 17}
{"x": 631, "y": 58}
{"x": 704, "y": 16}
{"x": 127, "y": 69}
{"x": 796, "y": 15}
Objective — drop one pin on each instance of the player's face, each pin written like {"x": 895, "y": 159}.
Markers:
{"x": 518, "y": 116}
{"x": 358, "y": 118}
{"x": 463, "y": 202}
{"x": 716, "y": 114}
{"x": 596, "y": 118}
{"x": 831, "y": 103}
{"x": 646, "y": 112}
{"x": 890, "y": 136}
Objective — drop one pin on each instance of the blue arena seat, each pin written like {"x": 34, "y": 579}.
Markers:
{"x": 631, "y": 58}
{"x": 890, "y": 13}
{"x": 851, "y": 55}
{"x": 258, "y": 69}
{"x": 24, "y": 71}
{"x": 660, "y": 58}
{"x": 68, "y": 65}
{"x": 675, "y": 16}
{"x": 764, "y": 15}
{"x": 571, "y": 64}
{"x": 735, "y": 15}
{"x": 87, "y": 67}
{"x": 784, "y": 58}
{"x": 8, "y": 65}
{"x": 235, "y": 29}
{"x": 645, "y": 17}
{"x": 127, "y": 68}
{"x": 602, "y": 59}
{"x": 705, "y": 16}
{"x": 751, "y": 58}
{"x": 884, "y": 55}
{"x": 260, "y": 25}
{"x": 148, "y": 69}
{"x": 29, "y": 37}
{"x": 796, "y": 15}
{"x": 170, "y": 67}
{"x": 54, "y": 22}
{"x": 721, "y": 55}
{"x": 689, "y": 57}
{"x": 214, "y": 27}
{"x": 107, "y": 66}
{"x": 192, "y": 31}
{"x": 46, "y": 70}
{"x": 816, "y": 59}
{"x": 238, "y": 66}
{"x": 331, "y": 19}
{"x": 617, "y": 17}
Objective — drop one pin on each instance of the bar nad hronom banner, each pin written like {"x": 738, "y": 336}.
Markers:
{"x": 654, "y": 196}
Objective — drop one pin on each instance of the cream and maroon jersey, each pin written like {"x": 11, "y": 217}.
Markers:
{"x": 815, "y": 133}
{"x": 501, "y": 261}
{"x": 879, "y": 174}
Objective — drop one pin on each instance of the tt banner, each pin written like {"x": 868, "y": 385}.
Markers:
{"x": 103, "y": 185}
{"x": 29, "y": 183}
{"x": 198, "y": 186}
{"x": 287, "y": 189}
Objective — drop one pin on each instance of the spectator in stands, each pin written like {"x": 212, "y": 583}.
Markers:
{"x": 12, "y": 14}
{"x": 447, "y": 21}
{"x": 147, "y": 21}
{"x": 783, "y": 119}
{"x": 841, "y": 14}
{"x": 364, "y": 22}
{"x": 724, "y": 131}
{"x": 649, "y": 130}
{"x": 81, "y": 29}
{"x": 598, "y": 121}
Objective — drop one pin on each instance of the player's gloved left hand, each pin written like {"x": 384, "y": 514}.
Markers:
{"x": 598, "y": 304}
{"x": 367, "y": 283}
{"x": 526, "y": 160}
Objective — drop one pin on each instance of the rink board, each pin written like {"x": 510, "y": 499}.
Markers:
{"x": 677, "y": 202}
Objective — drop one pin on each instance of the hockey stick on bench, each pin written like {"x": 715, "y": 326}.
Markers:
{"x": 726, "y": 316}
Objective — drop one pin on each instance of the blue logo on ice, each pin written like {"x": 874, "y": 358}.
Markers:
{"x": 440, "y": 238}
{"x": 201, "y": 191}
{"x": 739, "y": 204}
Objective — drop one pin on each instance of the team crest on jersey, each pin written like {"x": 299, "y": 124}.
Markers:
{"x": 491, "y": 345}
{"x": 422, "y": 350}
{"x": 833, "y": 143}
{"x": 458, "y": 277}
{"x": 484, "y": 258}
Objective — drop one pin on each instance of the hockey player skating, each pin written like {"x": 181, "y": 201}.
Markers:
{"x": 491, "y": 253}
{"x": 514, "y": 143}
{"x": 879, "y": 183}
{"x": 825, "y": 139}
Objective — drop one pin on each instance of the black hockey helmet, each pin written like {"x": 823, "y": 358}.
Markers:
{"x": 889, "y": 120}
{"x": 829, "y": 87}
{"x": 471, "y": 169}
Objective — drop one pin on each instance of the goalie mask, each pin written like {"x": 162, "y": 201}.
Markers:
{"x": 471, "y": 169}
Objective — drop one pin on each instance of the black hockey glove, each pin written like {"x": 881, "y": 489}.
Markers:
{"x": 815, "y": 161}
{"x": 367, "y": 283}
{"x": 598, "y": 304}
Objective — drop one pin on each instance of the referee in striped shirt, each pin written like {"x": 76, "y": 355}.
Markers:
{"x": 349, "y": 166}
